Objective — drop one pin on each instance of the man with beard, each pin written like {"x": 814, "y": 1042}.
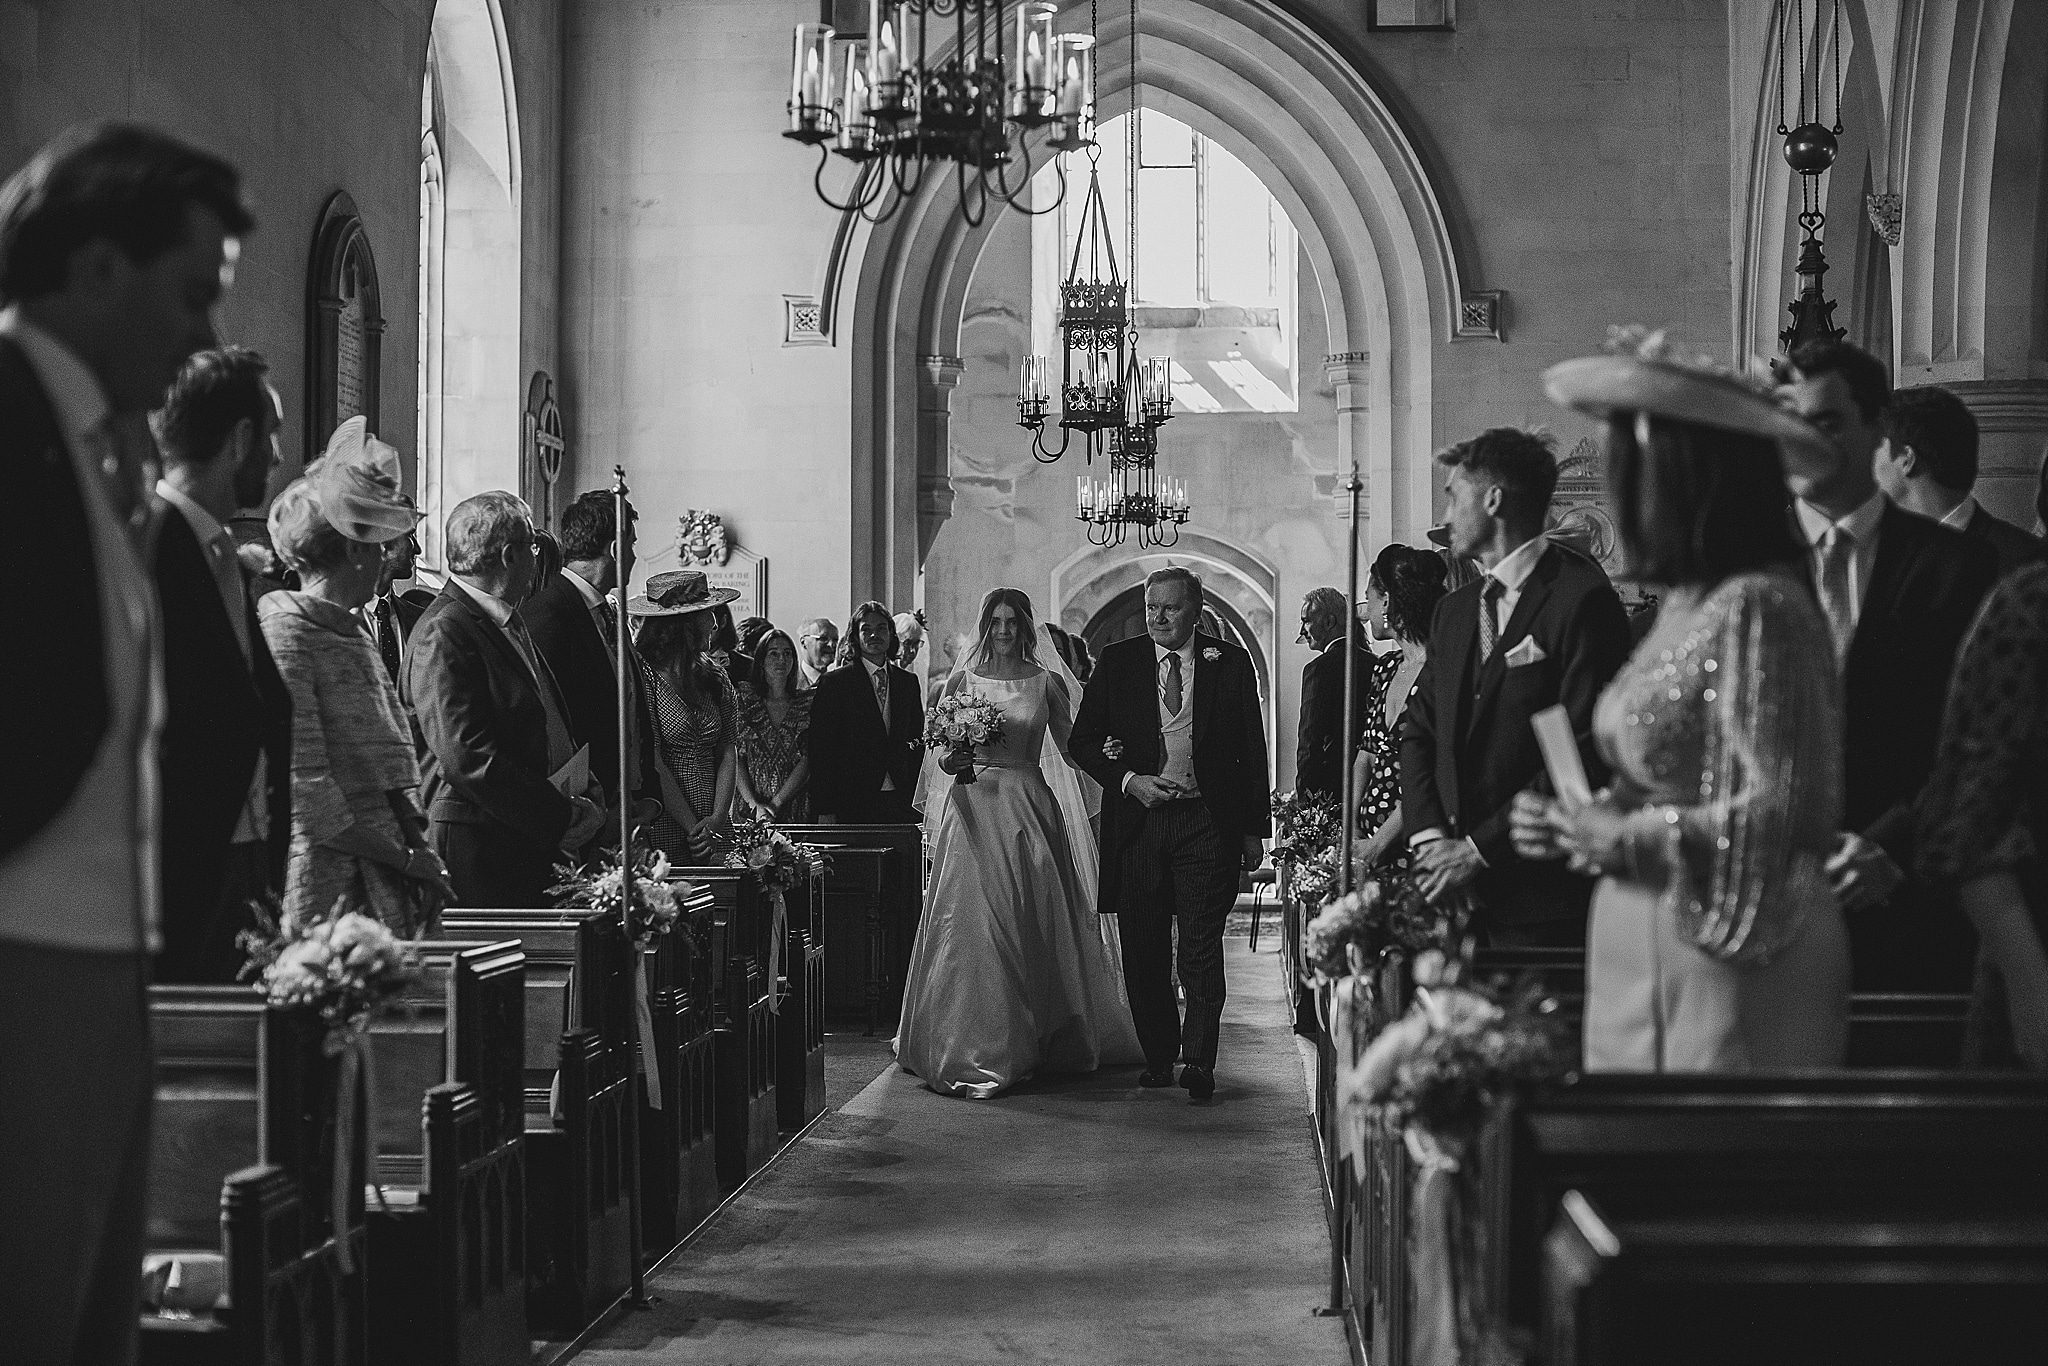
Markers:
{"x": 226, "y": 761}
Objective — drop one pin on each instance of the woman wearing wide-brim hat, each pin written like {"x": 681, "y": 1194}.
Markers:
{"x": 692, "y": 711}
{"x": 1716, "y": 943}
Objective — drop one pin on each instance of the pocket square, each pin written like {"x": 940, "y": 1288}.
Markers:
{"x": 1526, "y": 651}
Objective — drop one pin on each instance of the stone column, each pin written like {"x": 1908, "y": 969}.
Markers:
{"x": 2012, "y": 419}
{"x": 938, "y": 377}
{"x": 1349, "y": 373}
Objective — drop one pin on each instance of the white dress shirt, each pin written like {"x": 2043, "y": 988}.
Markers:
{"x": 1958, "y": 517}
{"x": 1513, "y": 572}
{"x": 89, "y": 880}
{"x": 1862, "y": 525}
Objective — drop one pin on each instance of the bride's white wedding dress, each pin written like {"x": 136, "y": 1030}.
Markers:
{"x": 1013, "y": 972}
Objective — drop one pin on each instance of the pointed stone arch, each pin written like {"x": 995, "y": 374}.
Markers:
{"x": 1293, "y": 109}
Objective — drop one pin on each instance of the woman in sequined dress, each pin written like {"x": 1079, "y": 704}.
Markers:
{"x": 1716, "y": 944}
{"x": 1401, "y": 593}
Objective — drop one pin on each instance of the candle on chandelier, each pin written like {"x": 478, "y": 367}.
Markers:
{"x": 887, "y": 64}
{"x": 856, "y": 125}
{"x": 809, "y": 112}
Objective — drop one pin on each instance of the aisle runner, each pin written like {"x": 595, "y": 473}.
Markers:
{"x": 1074, "y": 1220}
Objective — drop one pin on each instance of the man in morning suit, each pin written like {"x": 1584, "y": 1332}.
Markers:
{"x": 1171, "y": 726}
{"x": 574, "y": 622}
{"x": 492, "y": 725}
{"x": 1926, "y": 463}
{"x": 1319, "y": 754}
{"x": 867, "y": 728}
{"x": 226, "y": 758}
{"x": 115, "y": 249}
{"x": 1898, "y": 592}
{"x": 1541, "y": 627}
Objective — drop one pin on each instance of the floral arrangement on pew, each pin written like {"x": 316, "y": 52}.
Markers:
{"x": 349, "y": 968}
{"x": 781, "y": 864}
{"x": 1437, "y": 1077}
{"x": 1305, "y": 826}
{"x": 1386, "y": 913}
{"x": 957, "y": 723}
{"x": 599, "y": 885}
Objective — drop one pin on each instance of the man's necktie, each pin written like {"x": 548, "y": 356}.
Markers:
{"x": 1837, "y": 600}
{"x": 1171, "y": 692}
{"x": 1489, "y": 618}
{"x": 608, "y": 613}
{"x": 882, "y": 692}
{"x": 387, "y": 637}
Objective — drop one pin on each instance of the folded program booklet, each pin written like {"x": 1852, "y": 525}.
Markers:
{"x": 1553, "y": 726}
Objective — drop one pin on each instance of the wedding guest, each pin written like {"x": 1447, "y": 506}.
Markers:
{"x": 1083, "y": 662}
{"x": 1926, "y": 463}
{"x": 774, "y": 770}
{"x": 1540, "y": 628}
{"x": 358, "y": 836}
{"x": 817, "y": 642}
{"x": 910, "y": 638}
{"x": 866, "y": 725}
{"x": 1897, "y": 591}
{"x": 1715, "y": 944}
{"x": 225, "y": 767}
{"x": 389, "y": 616}
{"x": 736, "y": 664}
{"x": 1983, "y": 818}
{"x": 493, "y": 728}
{"x": 692, "y": 712}
{"x": 573, "y": 618}
{"x": 1319, "y": 754}
{"x": 1402, "y": 591}
{"x": 114, "y": 253}
{"x": 751, "y": 631}
{"x": 260, "y": 563}
{"x": 547, "y": 560}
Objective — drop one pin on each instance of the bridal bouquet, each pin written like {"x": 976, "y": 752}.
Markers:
{"x": 597, "y": 886}
{"x": 958, "y": 722}
{"x": 346, "y": 965}
{"x": 777, "y": 860}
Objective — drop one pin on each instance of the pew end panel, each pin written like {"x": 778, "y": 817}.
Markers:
{"x": 1760, "y": 1287}
{"x": 884, "y": 946}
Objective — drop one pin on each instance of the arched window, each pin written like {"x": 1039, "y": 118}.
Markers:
{"x": 433, "y": 238}
{"x": 1217, "y": 260}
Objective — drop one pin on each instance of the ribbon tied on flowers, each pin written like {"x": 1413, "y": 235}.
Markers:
{"x": 354, "y": 1086}
{"x": 777, "y": 932}
{"x": 643, "y": 1013}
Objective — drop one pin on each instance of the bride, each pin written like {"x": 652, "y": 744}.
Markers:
{"x": 1013, "y": 972}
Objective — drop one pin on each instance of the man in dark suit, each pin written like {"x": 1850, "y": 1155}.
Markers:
{"x": 867, "y": 730}
{"x": 1899, "y": 592}
{"x": 1319, "y": 753}
{"x": 390, "y": 616}
{"x": 1926, "y": 463}
{"x": 114, "y": 252}
{"x": 1540, "y": 628}
{"x": 492, "y": 725}
{"x": 1172, "y": 727}
{"x": 574, "y": 621}
{"x": 226, "y": 759}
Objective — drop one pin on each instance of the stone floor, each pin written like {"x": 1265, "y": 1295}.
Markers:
{"x": 1073, "y": 1220}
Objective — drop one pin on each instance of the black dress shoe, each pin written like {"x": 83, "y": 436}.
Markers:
{"x": 1153, "y": 1078}
{"x": 1199, "y": 1081}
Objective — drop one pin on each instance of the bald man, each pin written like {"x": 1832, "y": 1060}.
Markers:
{"x": 910, "y": 640}
{"x": 817, "y": 641}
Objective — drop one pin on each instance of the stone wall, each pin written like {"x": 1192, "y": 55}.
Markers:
{"x": 307, "y": 97}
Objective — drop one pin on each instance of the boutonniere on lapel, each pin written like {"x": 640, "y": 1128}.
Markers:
{"x": 1526, "y": 651}
{"x": 1212, "y": 654}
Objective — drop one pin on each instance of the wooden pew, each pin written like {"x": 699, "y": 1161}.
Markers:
{"x": 678, "y": 1143}
{"x": 743, "y": 1027}
{"x": 578, "y": 1100}
{"x": 880, "y": 948}
{"x": 855, "y": 909}
{"x": 241, "y": 1166}
{"x": 1911, "y": 1144}
{"x": 800, "y": 1027}
{"x": 447, "y": 1246}
{"x": 1767, "y": 1289}
{"x": 1886, "y": 1029}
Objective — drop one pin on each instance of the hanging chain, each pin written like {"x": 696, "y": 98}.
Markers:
{"x": 1782, "y": 128}
{"x": 1134, "y": 152}
{"x": 1835, "y": 20}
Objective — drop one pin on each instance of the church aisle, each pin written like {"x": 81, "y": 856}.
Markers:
{"x": 1076, "y": 1219}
